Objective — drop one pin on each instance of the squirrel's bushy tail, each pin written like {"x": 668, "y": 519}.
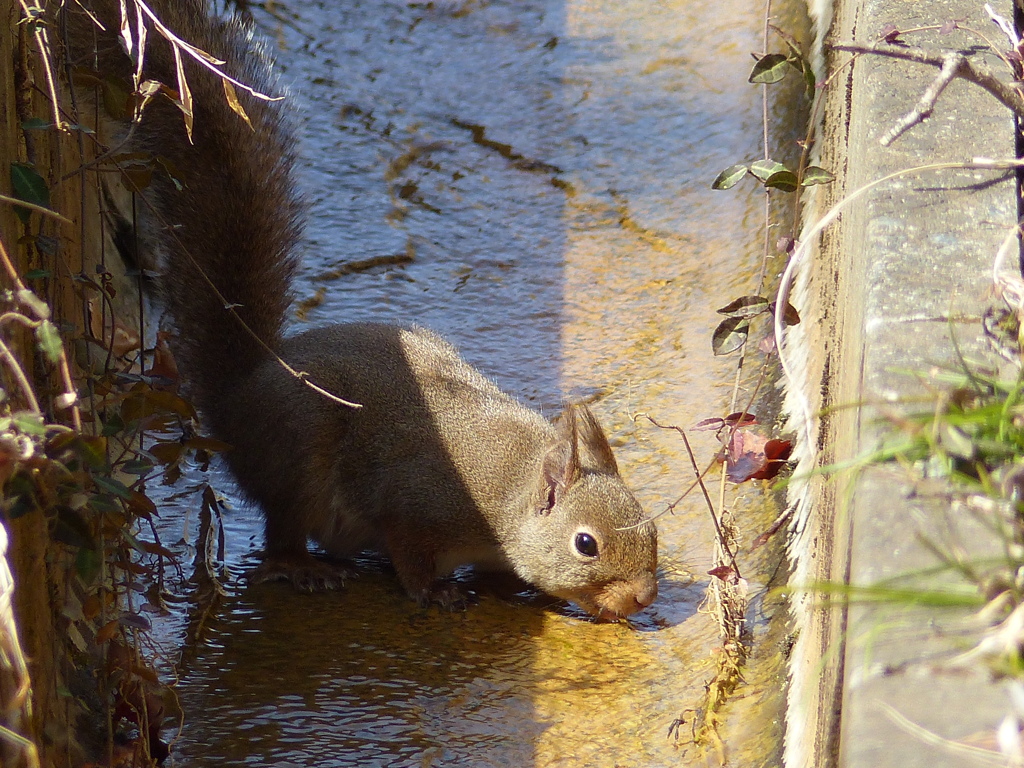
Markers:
{"x": 234, "y": 222}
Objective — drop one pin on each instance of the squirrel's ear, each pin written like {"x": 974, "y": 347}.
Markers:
{"x": 591, "y": 438}
{"x": 561, "y": 467}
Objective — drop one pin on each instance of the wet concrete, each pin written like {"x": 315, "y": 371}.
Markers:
{"x": 532, "y": 180}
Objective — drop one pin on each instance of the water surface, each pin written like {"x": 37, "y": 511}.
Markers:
{"x": 531, "y": 179}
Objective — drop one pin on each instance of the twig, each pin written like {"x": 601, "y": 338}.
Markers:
{"x": 19, "y": 703}
{"x": 979, "y": 74}
{"x": 950, "y": 68}
{"x": 723, "y": 540}
{"x": 212, "y": 63}
{"x": 33, "y": 14}
{"x": 37, "y": 208}
{"x": 202, "y": 57}
{"x": 70, "y": 396}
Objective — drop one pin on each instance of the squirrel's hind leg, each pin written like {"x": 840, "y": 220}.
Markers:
{"x": 287, "y": 557}
{"x": 305, "y": 572}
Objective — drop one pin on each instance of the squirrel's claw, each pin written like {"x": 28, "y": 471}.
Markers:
{"x": 306, "y": 574}
{"x": 446, "y": 595}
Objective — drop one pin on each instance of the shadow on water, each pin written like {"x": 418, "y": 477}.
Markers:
{"x": 530, "y": 179}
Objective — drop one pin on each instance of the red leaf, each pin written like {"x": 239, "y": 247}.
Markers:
{"x": 142, "y": 505}
{"x": 707, "y": 425}
{"x": 745, "y": 457}
{"x": 740, "y": 419}
{"x": 164, "y": 363}
{"x": 136, "y": 621}
{"x": 156, "y": 549}
{"x": 891, "y": 33}
{"x": 776, "y": 454}
{"x": 753, "y": 457}
{"x": 723, "y": 572}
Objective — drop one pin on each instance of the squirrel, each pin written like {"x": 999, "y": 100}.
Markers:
{"x": 438, "y": 467}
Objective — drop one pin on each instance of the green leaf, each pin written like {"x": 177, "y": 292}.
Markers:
{"x": 803, "y": 66}
{"x": 29, "y": 423}
{"x": 72, "y": 529}
{"x": 730, "y": 177}
{"x": 813, "y": 174}
{"x": 782, "y": 180}
{"x": 810, "y": 80}
{"x": 763, "y": 169}
{"x": 730, "y": 335}
{"x": 113, "y": 486}
{"x": 133, "y": 542}
{"x": 87, "y": 564}
{"x": 113, "y": 424}
{"x": 769, "y": 69}
{"x": 21, "y": 496}
{"x": 36, "y": 124}
{"x": 745, "y": 306}
{"x": 92, "y": 450}
{"x": 101, "y": 502}
{"x": 49, "y": 341}
{"x": 37, "y": 274}
{"x": 137, "y": 467}
{"x": 29, "y": 186}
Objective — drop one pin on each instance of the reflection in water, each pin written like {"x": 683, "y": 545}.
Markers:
{"x": 363, "y": 678}
{"x": 531, "y": 179}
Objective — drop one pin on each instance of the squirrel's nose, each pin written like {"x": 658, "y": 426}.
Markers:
{"x": 648, "y": 594}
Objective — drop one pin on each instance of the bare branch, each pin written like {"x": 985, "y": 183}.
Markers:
{"x": 1007, "y": 94}
{"x": 924, "y": 107}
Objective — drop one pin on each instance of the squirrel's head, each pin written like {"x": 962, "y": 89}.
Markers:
{"x": 587, "y": 539}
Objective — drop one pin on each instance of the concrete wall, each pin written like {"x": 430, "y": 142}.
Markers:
{"x": 887, "y": 287}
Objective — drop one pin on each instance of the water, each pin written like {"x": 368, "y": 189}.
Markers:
{"x": 532, "y": 179}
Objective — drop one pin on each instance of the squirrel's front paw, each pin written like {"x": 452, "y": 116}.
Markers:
{"x": 306, "y": 573}
{"x": 451, "y": 597}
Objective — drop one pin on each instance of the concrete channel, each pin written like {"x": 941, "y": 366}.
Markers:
{"x": 893, "y": 287}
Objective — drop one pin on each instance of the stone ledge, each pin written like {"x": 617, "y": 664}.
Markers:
{"x": 883, "y": 294}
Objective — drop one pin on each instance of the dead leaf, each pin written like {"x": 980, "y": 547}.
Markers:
{"x": 724, "y": 572}
{"x": 234, "y": 103}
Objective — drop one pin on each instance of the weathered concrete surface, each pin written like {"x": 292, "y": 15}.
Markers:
{"x": 904, "y": 270}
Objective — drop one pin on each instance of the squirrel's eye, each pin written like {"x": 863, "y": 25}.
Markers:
{"x": 586, "y": 545}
